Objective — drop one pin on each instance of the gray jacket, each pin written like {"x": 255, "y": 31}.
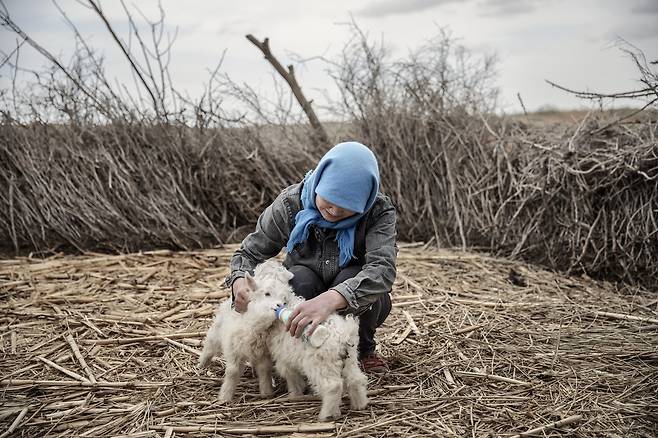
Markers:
{"x": 375, "y": 248}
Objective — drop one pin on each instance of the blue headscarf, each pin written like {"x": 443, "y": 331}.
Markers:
{"x": 348, "y": 177}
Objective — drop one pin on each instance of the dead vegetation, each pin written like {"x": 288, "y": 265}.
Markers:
{"x": 125, "y": 187}
{"x": 578, "y": 197}
{"x": 171, "y": 172}
{"x": 99, "y": 345}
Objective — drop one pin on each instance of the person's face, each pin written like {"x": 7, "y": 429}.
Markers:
{"x": 331, "y": 212}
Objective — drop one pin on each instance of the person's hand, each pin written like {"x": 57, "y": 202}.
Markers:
{"x": 241, "y": 294}
{"x": 314, "y": 312}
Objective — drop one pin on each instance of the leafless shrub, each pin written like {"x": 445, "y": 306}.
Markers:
{"x": 423, "y": 117}
{"x": 90, "y": 163}
{"x": 647, "y": 93}
{"x": 582, "y": 200}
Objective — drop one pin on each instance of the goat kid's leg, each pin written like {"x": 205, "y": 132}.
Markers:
{"x": 331, "y": 392}
{"x": 356, "y": 383}
{"x": 263, "y": 367}
{"x": 294, "y": 379}
{"x": 232, "y": 374}
{"x": 211, "y": 347}
{"x": 296, "y": 383}
{"x": 329, "y": 385}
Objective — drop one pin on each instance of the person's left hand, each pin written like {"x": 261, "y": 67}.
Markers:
{"x": 314, "y": 312}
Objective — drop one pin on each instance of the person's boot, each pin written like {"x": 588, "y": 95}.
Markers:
{"x": 373, "y": 363}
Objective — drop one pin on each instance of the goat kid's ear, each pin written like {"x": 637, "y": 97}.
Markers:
{"x": 285, "y": 276}
{"x": 250, "y": 281}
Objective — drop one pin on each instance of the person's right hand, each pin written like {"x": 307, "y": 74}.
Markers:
{"x": 241, "y": 295}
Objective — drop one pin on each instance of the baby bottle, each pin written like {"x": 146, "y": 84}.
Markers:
{"x": 320, "y": 334}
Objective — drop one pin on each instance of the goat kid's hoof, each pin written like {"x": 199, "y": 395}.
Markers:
{"x": 262, "y": 396}
{"x": 359, "y": 406}
{"x": 329, "y": 416}
{"x": 224, "y": 398}
{"x": 203, "y": 362}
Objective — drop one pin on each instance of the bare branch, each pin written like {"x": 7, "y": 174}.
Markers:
{"x": 125, "y": 51}
{"x": 6, "y": 21}
{"x": 289, "y": 76}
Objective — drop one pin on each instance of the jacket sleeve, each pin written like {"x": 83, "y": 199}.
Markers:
{"x": 271, "y": 235}
{"x": 378, "y": 273}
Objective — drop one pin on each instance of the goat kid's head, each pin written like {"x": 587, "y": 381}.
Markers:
{"x": 269, "y": 288}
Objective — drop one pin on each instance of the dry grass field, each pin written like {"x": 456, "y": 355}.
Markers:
{"x": 106, "y": 345}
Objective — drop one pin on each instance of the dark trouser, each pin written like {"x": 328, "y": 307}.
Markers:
{"x": 308, "y": 284}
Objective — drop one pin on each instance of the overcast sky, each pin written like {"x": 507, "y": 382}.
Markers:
{"x": 571, "y": 42}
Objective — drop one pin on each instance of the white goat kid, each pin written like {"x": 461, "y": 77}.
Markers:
{"x": 326, "y": 367}
{"x": 243, "y": 337}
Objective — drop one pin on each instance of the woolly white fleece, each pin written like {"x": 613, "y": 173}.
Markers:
{"x": 257, "y": 336}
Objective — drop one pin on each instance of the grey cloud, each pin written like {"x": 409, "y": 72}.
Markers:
{"x": 397, "y": 7}
{"x": 646, "y": 7}
{"x": 504, "y": 8}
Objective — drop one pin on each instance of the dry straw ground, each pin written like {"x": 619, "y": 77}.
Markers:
{"x": 99, "y": 345}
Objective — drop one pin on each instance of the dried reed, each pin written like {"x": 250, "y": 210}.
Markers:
{"x": 107, "y": 345}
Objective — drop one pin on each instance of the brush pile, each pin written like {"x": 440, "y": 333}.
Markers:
{"x": 130, "y": 187}
{"x": 555, "y": 196}
{"x": 107, "y": 345}
{"x": 89, "y": 165}
{"x": 566, "y": 197}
